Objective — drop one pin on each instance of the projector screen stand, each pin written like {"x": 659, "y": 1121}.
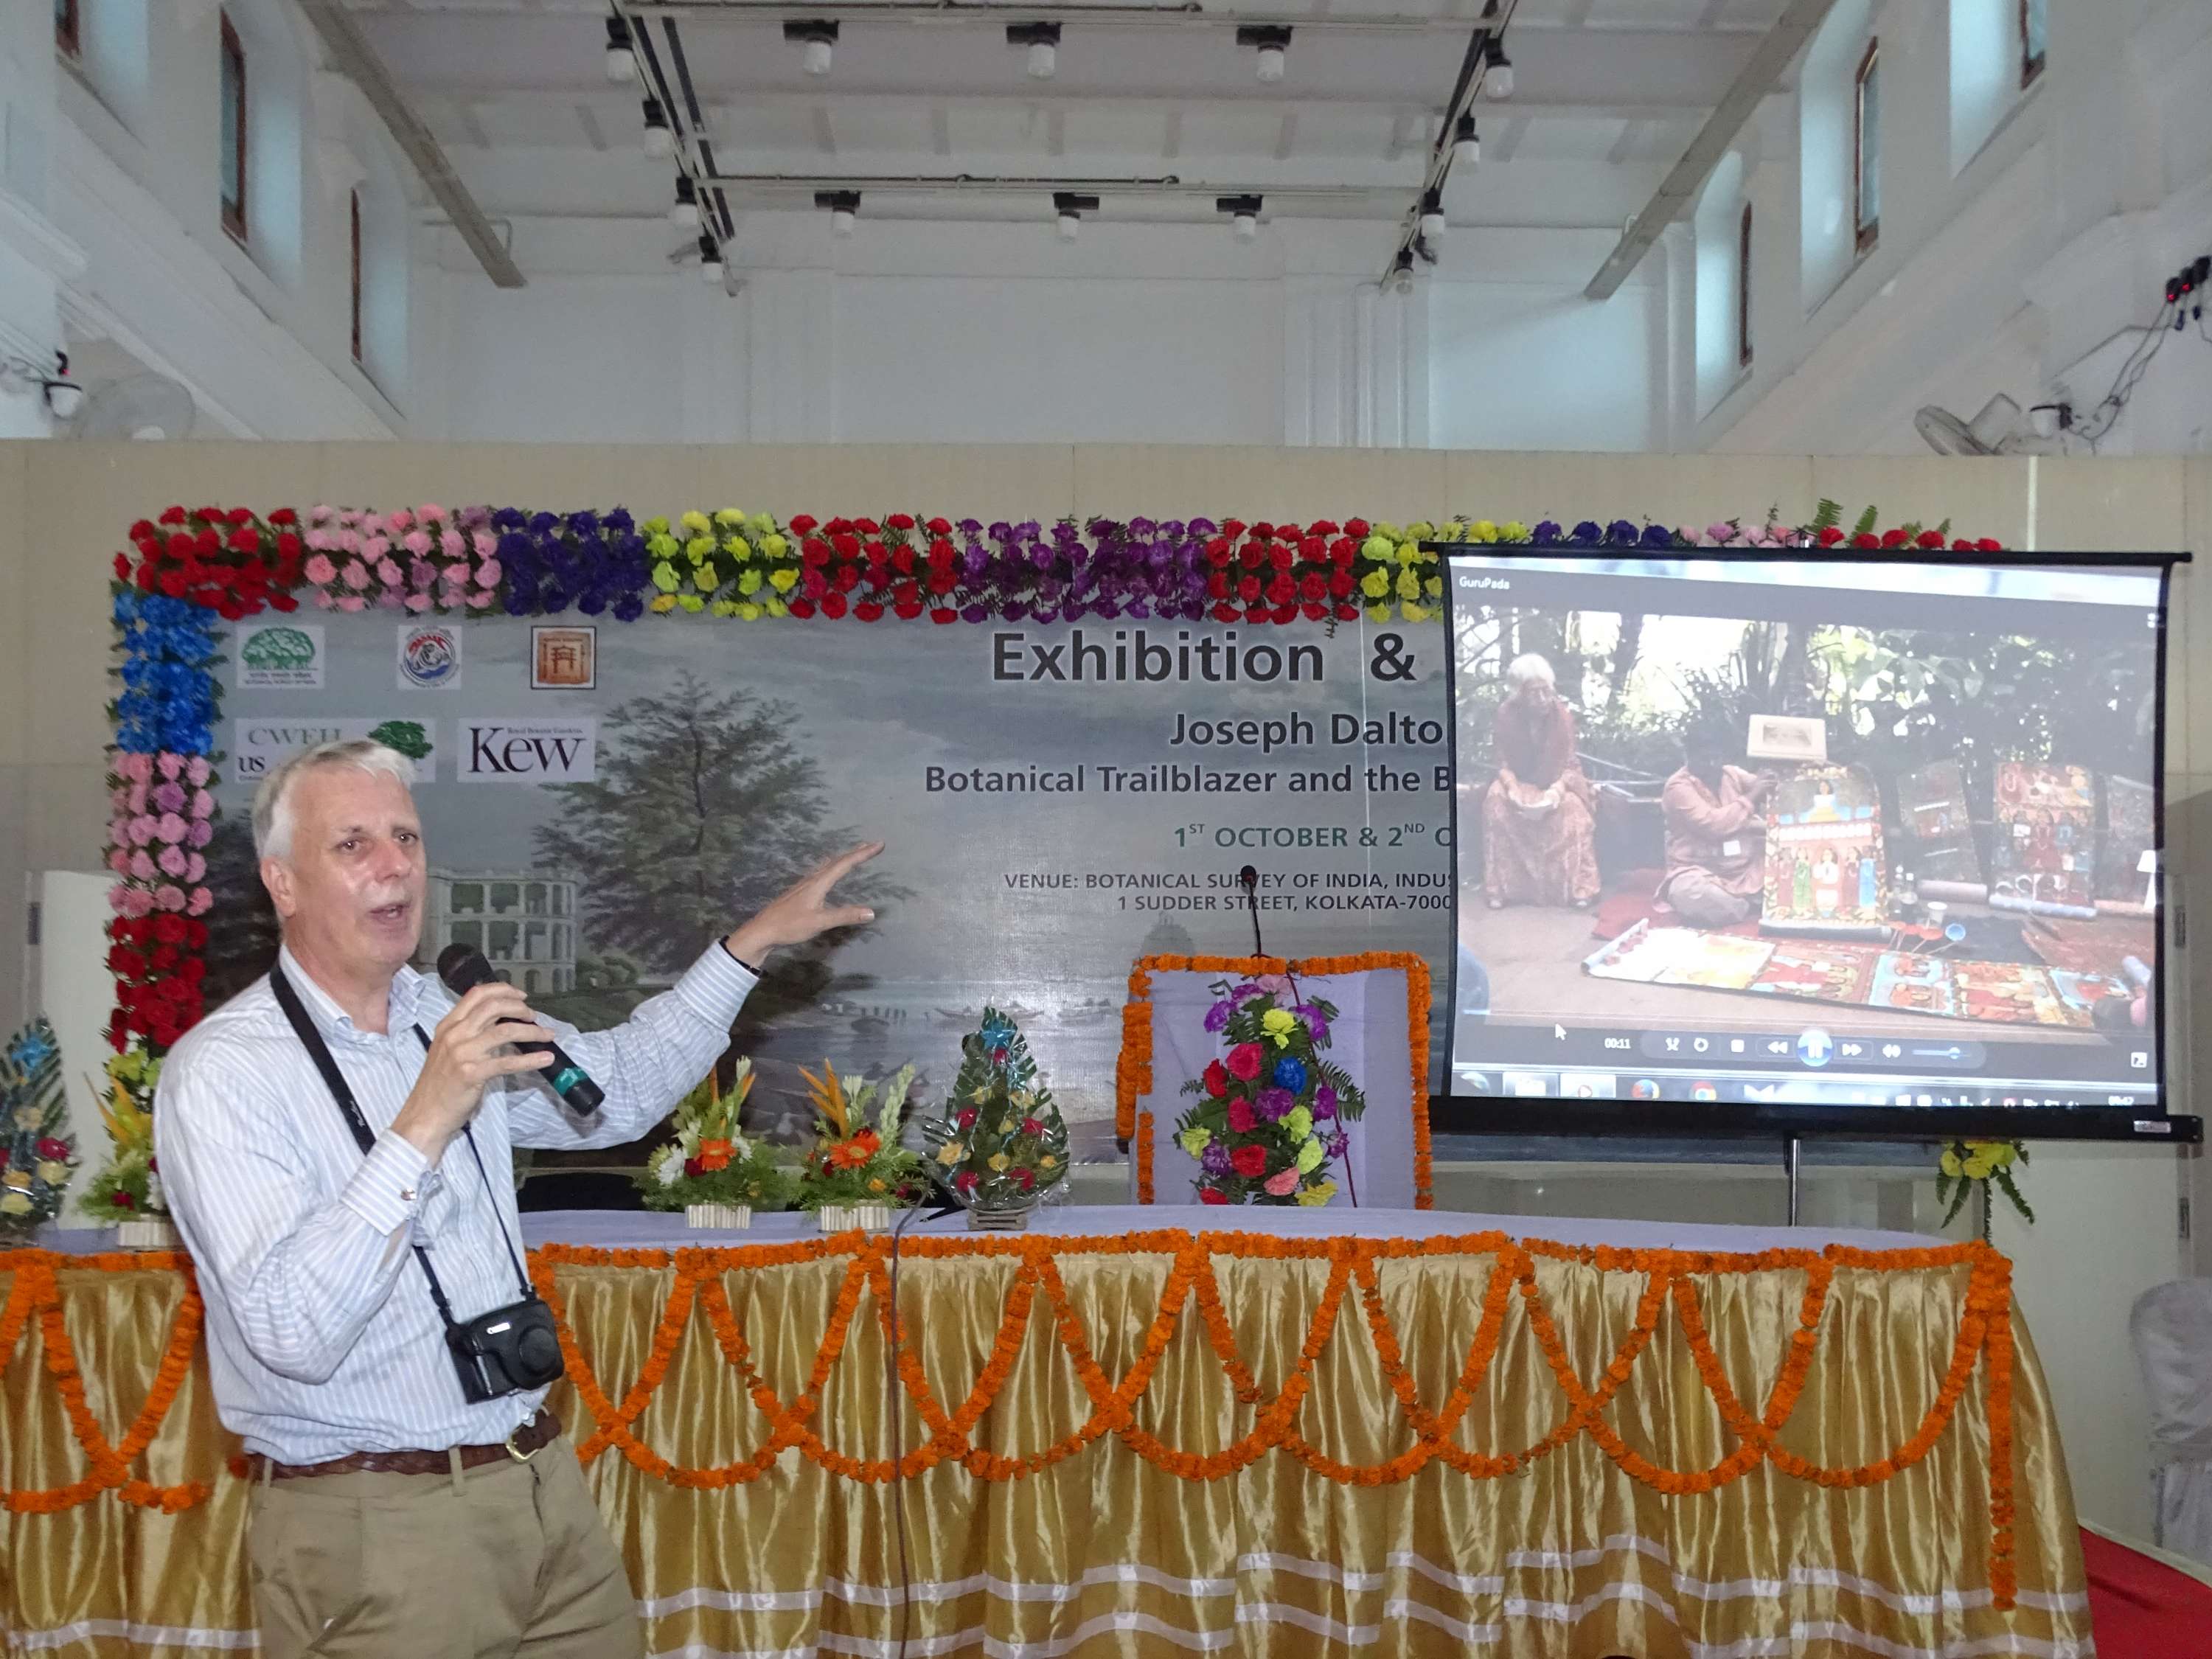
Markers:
{"x": 1793, "y": 1156}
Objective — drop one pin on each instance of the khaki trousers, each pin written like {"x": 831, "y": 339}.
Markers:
{"x": 506, "y": 1558}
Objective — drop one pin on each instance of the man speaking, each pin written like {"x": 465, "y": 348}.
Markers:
{"x": 334, "y": 1142}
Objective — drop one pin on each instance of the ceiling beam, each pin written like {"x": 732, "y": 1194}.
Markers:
{"x": 1687, "y": 177}
{"x": 342, "y": 38}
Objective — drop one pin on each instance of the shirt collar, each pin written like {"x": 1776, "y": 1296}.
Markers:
{"x": 406, "y": 997}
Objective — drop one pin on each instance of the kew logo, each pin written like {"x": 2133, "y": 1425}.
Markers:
{"x": 529, "y": 752}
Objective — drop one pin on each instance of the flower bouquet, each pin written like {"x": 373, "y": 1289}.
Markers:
{"x": 1270, "y": 1114}
{"x": 710, "y": 1171}
{"x": 1000, "y": 1148}
{"x": 1976, "y": 1166}
{"x": 36, "y": 1151}
{"x": 126, "y": 1195}
{"x": 857, "y": 1173}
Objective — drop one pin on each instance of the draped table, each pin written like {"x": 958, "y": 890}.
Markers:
{"x": 1389, "y": 1432}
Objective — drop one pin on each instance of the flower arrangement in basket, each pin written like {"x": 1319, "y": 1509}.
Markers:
{"x": 126, "y": 1194}
{"x": 1270, "y": 1113}
{"x": 710, "y": 1171}
{"x": 857, "y": 1172}
{"x": 36, "y": 1151}
{"x": 1001, "y": 1148}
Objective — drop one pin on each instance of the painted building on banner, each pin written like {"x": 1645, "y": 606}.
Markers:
{"x": 524, "y": 922}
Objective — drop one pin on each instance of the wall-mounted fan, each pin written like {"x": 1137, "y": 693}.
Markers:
{"x": 147, "y": 407}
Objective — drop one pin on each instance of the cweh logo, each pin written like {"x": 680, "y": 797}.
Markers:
{"x": 529, "y": 752}
{"x": 429, "y": 656}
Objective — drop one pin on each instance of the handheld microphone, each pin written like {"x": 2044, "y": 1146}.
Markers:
{"x": 1248, "y": 879}
{"x": 463, "y": 968}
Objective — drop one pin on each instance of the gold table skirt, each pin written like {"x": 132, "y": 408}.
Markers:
{"x": 1165, "y": 1442}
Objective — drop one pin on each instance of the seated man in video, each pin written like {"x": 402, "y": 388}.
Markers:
{"x": 1716, "y": 835}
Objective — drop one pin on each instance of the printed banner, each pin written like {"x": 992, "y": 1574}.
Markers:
{"x": 1056, "y": 802}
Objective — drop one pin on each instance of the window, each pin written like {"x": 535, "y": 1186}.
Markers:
{"x": 468, "y": 895}
{"x": 1743, "y": 289}
{"x": 1866, "y": 147}
{"x": 2033, "y": 27}
{"x": 356, "y": 201}
{"x": 469, "y": 933}
{"x": 505, "y": 896}
{"x": 65, "y": 31}
{"x": 233, "y": 132}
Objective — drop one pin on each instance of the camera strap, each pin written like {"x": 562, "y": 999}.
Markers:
{"x": 319, "y": 1052}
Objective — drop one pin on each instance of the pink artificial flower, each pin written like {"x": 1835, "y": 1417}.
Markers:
{"x": 168, "y": 896}
{"x": 119, "y": 862}
{"x": 170, "y": 762}
{"x": 171, "y": 862}
{"x": 479, "y": 601}
{"x": 484, "y": 543}
{"x": 198, "y": 771}
{"x": 195, "y": 868}
{"x": 138, "y": 797}
{"x": 317, "y": 539}
{"x": 141, "y": 865}
{"x": 389, "y": 600}
{"x": 319, "y": 570}
{"x": 418, "y": 602}
{"x": 348, "y": 516}
{"x": 373, "y": 548}
{"x": 137, "y": 768}
{"x": 417, "y": 542}
{"x": 430, "y": 513}
{"x": 488, "y": 574}
{"x": 119, "y": 831}
{"x": 399, "y": 519}
{"x": 202, "y": 802}
{"x": 169, "y": 797}
{"x": 421, "y": 574}
{"x": 202, "y": 833}
{"x": 347, "y": 541}
{"x": 118, "y": 896}
{"x": 352, "y": 602}
{"x": 450, "y": 544}
{"x": 141, "y": 829}
{"x": 318, "y": 515}
{"x": 1283, "y": 1182}
{"x": 118, "y": 799}
{"x": 202, "y": 902}
{"x": 170, "y": 827}
{"x": 356, "y": 576}
{"x": 388, "y": 571}
{"x": 323, "y": 601}
{"x": 1271, "y": 983}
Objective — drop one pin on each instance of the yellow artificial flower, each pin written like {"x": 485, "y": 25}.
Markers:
{"x": 783, "y": 581}
{"x": 1978, "y": 1167}
{"x": 1454, "y": 532}
{"x": 1433, "y": 586}
{"x": 950, "y": 1153}
{"x": 1378, "y": 613}
{"x": 14, "y": 1203}
{"x": 999, "y": 1161}
{"x": 1513, "y": 531}
{"x": 1378, "y": 546}
{"x": 737, "y": 547}
{"x": 1374, "y": 584}
{"x": 876, "y": 1185}
{"x": 1413, "y": 612}
{"x": 1483, "y": 530}
{"x": 700, "y": 547}
{"x": 664, "y": 577}
{"x": 749, "y": 613}
{"x": 1391, "y": 532}
{"x": 1408, "y": 584}
{"x": 1046, "y": 1161}
{"x": 1314, "y": 1196}
{"x": 1420, "y": 532}
{"x": 655, "y": 526}
{"x": 696, "y": 522}
{"x": 53, "y": 1174}
{"x": 1279, "y": 1024}
{"x": 19, "y": 1180}
{"x": 730, "y": 518}
{"x": 662, "y": 603}
{"x": 777, "y": 608}
{"x": 1309, "y": 1154}
{"x": 1298, "y": 1123}
{"x": 723, "y": 608}
{"x": 706, "y": 579}
{"x": 691, "y": 602}
{"x": 662, "y": 546}
{"x": 760, "y": 525}
{"x": 749, "y": 581}
{"x": 773, "y": 547}
{"x": 1196, "y": 1140}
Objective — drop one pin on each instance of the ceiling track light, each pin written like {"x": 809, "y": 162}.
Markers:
{"x": 1273, "y": 42}
{"x": 659, "y": 141}
{"x": 620, "y": 61}
{"x": 710, "y": 261}
{"x": 683, "y": 212}
{"x": 1467, "y": 143}
{"x": 1498, "y": 70}
{"x": 1069, "y": 208}
{"x": 1432, "y": 216}
{"x": 1043, "y": 41}
{"x": 844, "y": 206}
{"x": 817, "y": 36}
{"x": 1243, "y": 213}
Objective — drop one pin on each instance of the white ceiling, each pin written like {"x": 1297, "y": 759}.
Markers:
{"x": 1608, "y": 93}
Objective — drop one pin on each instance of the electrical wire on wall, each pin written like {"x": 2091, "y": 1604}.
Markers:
{"x": 2183, "y": 303}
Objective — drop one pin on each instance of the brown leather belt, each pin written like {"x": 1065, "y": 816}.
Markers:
{"x": 528, "y": 1439}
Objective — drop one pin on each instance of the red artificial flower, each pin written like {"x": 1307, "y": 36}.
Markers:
{"x": 1892, "y": 538}
{"x": 1283, "y": 556}
{"x": 876, "y": 553}
{"x": 1249, "y": 589}
{"x": 1227, "y": 613}
{"x": 939, "y": 527}
{"x": 207, "y": 542}
{"x": 1989, "y": 544}
{"x": 1282, "y": 591}
{"x": 907, "y": 610}
{"x": 901, "y": 522}
{"x": 287, "y": 546}
{"x": 944, "y": 614}
{"x": 1217, "y": 585}
{"x": 902, "y": 560}
{"x": 847, "y": 578}
{"x": 194, "y": 971}
{"x": 868, "y": 610}
{"x": 942, "y": 552}
{"x": 1232, "y": 528}
{"x": 1032, "y": 1126}
{"x": 967, "y": 1118}
{"x": 179, "y": 546}
{"x": 1867, "y": 539}
{"x": 1930, "y": 538}
{"x": 1313, "y": 548}
{"x": 832, "y": 606}
{"x": 1211, "y": 1195}
{"x": 284, "y": 602}
{"x": 967, "y": 1180}
{"x": 813, "y": 584}
{"x": 145, "y": 578}
{"x": 1962, "y": 546}
{"x": 173, "y": 515}
{"x": 1218, "y": 552}
{"x": 1356, "y": 528}
{"x": 1241, "y": 1116}
{"x": 284, "y": 516}
{"x": 49, "y": 1149}
{"x": 867, "y": 526}
{"x": 940, "y": 582}
{"x": 802, "y": 608}
{"x": 1313, "y": 585}
{"x": 1831, "y": 535}
{"x": 1217, "y": 1080}
{"x": 1341, "y": 584}
{"x": 239, "y": 515}
{"x": 693, "y": 1166}
{"x": 245, "y": 541}
{"x": 1245, "y": 1060}
{"x": 196, "y": 933}
{"x": 813, "y": 551}
{"x": 1026, "y": 1178}
{"x": 848, "y": 545}
{"x": 1249, "y": 1161}
{"x": 804, "y": 524}
{"x": 1256, "y": 613}
{"x": 1263, "y": 531}
{"x": 123, "y": 1201}
{"x": 1314, "y": 613}
{"x": 1253, "y": 554}
{"x": 121, "y": 568}
{"x": 165, "y": 958}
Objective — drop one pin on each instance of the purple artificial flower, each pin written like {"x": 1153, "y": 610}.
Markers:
{"x": 1587, "y": 533}
{"x": 1201, "y": 530}
{"x": 1621, "y": 533}
{"x": 1014, "y": 609}
{"x": 1000, "y": 531}
{"x": 629, "y": 607}
{"x": 1337, "y": 1144}
{"x": 968, "y": 527}
{"x": 1027, "y": 531}
{"x": 1657, "y": 535}
{"x": 1316, "y": 1021}
{"x": 1547, "y": 531}
{"x": 1273, "y": 1103}
{"x": 1140, "y": 611}
{"x": 1143, "y": 529}
{"x": 1324, "y": 1104}
{"x": 1214, "y": 1160}
{"x": 1217, "y": 1017}
{"x": 973, "y": 613}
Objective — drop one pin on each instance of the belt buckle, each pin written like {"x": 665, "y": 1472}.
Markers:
{"x": 516, "y": 1452}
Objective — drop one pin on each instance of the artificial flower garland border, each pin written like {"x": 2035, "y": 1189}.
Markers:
{"x": 1132, "y": 1067}
{"x": 1984, "y": 1333}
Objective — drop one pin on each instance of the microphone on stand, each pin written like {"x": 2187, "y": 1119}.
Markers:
{"x": 463, "y": 968}
{"x": 1248, "y": 879}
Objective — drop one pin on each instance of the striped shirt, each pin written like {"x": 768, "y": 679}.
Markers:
{"x": 322, "y": 1337}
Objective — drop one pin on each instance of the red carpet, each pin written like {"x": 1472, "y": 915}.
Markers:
{"x": 2141, "y": 1608}
{"x": 1632, "y": 901}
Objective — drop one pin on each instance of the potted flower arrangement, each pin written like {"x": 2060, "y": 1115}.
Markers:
{"x": 36, "y": 1151}
{"x": 1000, "y": 1146}
{"x": 710, "y": 1171}
{"x": 127, "y": 1193}
{"x": 857, "y": 1172}
{"x": 1270, "y": 1113}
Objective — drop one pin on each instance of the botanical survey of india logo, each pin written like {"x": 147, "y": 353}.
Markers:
{"x": 278, "y": 648}
{"x": 430, "y": 656}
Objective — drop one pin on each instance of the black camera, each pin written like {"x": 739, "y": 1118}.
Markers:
{"x": 506, "y": 1351}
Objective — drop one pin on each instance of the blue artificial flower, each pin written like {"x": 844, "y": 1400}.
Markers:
{"x": 997, "y": 1031}
{"x": 1621, "y": 533}
{"x": 628, "y": 608}
{"x": 1546, "y": 533}
{"x": 1290, "y": 1074}
{"x": 1587, "y": 533}
{"x": 1657, "y": 535}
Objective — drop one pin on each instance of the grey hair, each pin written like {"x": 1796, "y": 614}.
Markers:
{"x": 1528, "y": 670}
{"x": 272, "y": 801}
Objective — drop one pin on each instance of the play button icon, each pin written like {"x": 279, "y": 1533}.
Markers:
{"x": 1815, "y": 1047}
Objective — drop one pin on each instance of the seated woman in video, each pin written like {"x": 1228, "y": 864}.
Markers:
{"x": 1538, "y": 822}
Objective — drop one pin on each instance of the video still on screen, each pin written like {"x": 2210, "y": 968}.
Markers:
{"x": 1821, "y": 834}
